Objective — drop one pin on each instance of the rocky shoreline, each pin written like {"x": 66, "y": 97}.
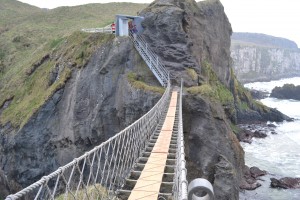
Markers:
{"x": 258, "y": 130}
{"x": 252, "y": 174}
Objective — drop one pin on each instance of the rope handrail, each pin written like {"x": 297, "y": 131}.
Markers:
{"x": 101, "y": 171}
{"x": 180, "y": 182}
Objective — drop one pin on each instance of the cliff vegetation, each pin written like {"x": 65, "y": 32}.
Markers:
{"x": 39, "y": 48}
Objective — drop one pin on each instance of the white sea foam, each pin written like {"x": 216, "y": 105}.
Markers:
{"x": 278, "y": 154}
{"x": 268, "y": 86}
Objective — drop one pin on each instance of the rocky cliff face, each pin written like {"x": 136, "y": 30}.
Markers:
{"x": 257, "y": 61}
{"x": 186, "y": 36}
{"x": 97, "y": 102}
{"x": 183, "y": 35}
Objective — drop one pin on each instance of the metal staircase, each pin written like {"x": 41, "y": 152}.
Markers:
{"x": 151, "y": 59}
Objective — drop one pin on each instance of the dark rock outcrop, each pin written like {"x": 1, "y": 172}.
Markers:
{"x": 4, "y": 185}
{"x": 256, "y": 172}
{"x": 245, "y": 136}
{"x": 256, "y": 94}
{"x": 250, "y": 178}
{"x": 7, "y": 186}
{"x": 259, "y": 134}
{"x": 259, "y": 115}
{"x": 213, "y": 150}
{"x": 287, "y": 91}
{"x": 247, "y": 132}
{"x": 285, "y": 183}
{"x": 185, "y": 36}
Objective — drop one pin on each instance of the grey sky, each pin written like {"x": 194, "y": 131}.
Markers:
{"x": 273, "y": 17}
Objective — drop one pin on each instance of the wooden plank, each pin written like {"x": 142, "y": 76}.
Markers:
{"x": 171, "y": 112}
{"x": 143, "y": 195}
{"x": 168, "y": 125}
{"x": 149, "y": 182}
{"x": 148, "y": 185}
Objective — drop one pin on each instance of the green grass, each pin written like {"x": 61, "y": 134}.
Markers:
{"x": 192, "y": 73}
{"x": 30, "y": 92}
{"x": 54, "y": 43}
{"x": 132, "y": 78}
{"x": 219, "y": 93}
{"x": 212, "y": 88}
{"x": 244, "y": 106}
{"x": 261, "y": 106}
{"x": 204, "y": 89}
{"x": 235, "y": 128}
{"x": 97, "y": 191}
{"x": 29, "y": 33}
{"x": 224, "y": 95}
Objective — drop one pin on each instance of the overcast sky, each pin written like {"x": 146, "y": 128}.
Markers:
{"x": 273, "y": 17}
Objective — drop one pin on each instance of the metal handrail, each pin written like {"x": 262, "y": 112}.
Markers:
{"x": 151, "y": 59}
{"x": 98, "y": 30}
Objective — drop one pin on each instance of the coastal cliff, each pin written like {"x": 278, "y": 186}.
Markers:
{"x": 258, "y": 57}
{"x": 111, "y": 88}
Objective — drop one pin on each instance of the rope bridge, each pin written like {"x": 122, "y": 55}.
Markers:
{"x": 107, "y": 171}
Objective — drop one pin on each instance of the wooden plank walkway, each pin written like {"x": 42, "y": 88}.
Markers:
{"x": 148, "y": 184}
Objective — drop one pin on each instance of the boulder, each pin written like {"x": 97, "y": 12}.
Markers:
{"x": 245, "y": 136}
{"x": 256, "y": 172}
{"x": 271, "y": 125}
{"x": 287, "y": 91}
{"x": 286, "y": 183}
{"x": 250, "y": 178}
{"x": 259, "y": 134}
{"x": 257, "y": 94}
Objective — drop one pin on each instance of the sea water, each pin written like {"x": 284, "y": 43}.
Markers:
{"x": 279, "y": 154}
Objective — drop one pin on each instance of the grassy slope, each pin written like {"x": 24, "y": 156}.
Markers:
{"x": 262, "y": 40}
{"x": 28, "y": 33}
